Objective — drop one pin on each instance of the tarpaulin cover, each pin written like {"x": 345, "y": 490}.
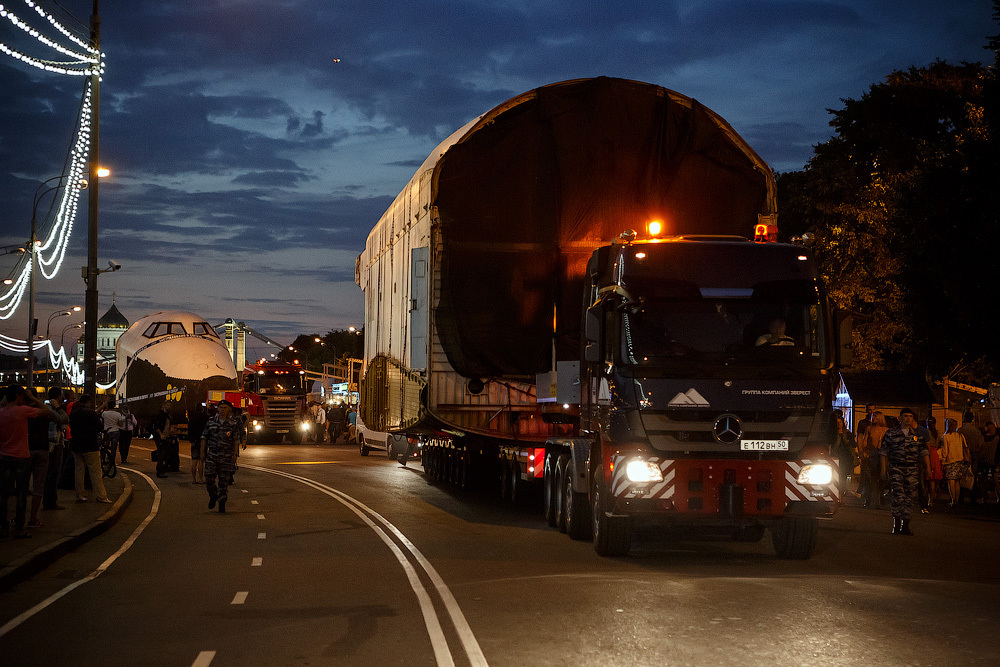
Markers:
{"x": 531, "y": 190}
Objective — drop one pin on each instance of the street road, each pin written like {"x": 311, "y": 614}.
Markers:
{"x": 325, "y": 557}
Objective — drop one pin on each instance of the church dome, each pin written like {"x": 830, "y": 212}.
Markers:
{"x": 113, "y": 319}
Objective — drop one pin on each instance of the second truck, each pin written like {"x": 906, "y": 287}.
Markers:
{"x": 581, "y": 290}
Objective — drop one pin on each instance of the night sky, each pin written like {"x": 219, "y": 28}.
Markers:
{"x": 249, "y": 165}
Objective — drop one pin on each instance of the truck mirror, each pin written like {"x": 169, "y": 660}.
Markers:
{"x": 845, "y": 342}
{"x": 592, "y": 324}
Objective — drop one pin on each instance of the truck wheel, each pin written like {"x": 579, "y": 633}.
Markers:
{"x": 576, "y": 512}
{"x": 752, "y": 533}
{"x": 562, "y": 463}
{"x": 612, "y": 534}
{"x": 551, "y": 491}
{"x": 362, "y": 447}
{"x": 504, "y": 480}
{"x": 517, "y": 487}
{"x": 795, "y": 537}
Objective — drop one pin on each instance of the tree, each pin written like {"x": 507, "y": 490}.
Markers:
{"x": 313, "y": 350}
{"x": 901, "y": 200}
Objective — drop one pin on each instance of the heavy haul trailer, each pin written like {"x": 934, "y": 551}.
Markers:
{"x": 514, "y": 328}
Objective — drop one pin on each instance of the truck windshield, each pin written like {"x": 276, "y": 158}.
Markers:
{"x": 773, "y": 324}
{"x": 280, "y": 382}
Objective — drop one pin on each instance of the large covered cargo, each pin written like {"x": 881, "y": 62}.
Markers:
{"x": 475, "y": 272}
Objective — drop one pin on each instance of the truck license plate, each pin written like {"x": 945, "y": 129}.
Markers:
{"x": 764, "y": 445}
{"x": 285, "y": 430}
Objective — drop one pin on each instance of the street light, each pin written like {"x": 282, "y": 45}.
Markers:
{"x": 60, "y": 313}
{"x": 62, "y": 337}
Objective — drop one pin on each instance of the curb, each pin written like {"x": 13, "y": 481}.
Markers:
{"x": 39, "y": 559}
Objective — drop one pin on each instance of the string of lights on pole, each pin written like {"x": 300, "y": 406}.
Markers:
{"x": 85, "y": 64}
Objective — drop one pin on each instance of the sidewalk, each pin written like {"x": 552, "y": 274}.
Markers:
{"x": 61, "y": 530}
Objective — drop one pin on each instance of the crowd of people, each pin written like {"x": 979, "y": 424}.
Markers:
{"x": 915, "y": 464}
{"x": 333, "y": 422}
{"x": 46, "y": 441}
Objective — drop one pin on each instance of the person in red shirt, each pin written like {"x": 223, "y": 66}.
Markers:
{"x": 16, "y": 408}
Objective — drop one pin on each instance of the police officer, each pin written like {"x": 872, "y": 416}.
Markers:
{"x": 904, "y": 448}
{"x": 222, "y": 435}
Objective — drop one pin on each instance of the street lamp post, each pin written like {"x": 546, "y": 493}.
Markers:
{"x": 62, "y": 342}
{"x": 90, "y": 277}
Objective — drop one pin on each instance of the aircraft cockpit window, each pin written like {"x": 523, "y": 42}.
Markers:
{"x": 163, "y": 329}
{"x": 204, "y": 329}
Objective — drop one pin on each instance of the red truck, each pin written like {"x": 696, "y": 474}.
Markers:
{"x": 272, "y": 395}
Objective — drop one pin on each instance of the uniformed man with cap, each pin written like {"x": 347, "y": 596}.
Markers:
{"x": 222, "y": 435}
{"x": 904, "y": 448}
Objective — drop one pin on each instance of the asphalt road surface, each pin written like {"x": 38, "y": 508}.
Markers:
{"x": 325, "y": 557}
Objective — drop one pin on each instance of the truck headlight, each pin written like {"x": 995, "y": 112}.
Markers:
{"x": 304, "y": 426}
{"x": 257, "y": 426}
{"x": 817, "y": 474}
{"x": 641, "y": 471}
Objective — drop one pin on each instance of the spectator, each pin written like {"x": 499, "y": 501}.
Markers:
{"x": 319, "y": 419}
{"x": 845, "y": 450}
{"x": 904, "y": 450}
{"x": 57, "y": 449}
{"x": 337, "y": 420}
{"x": 114, "y": 422}
{"x": 866, "y": 422}
{"x": 126, "y": 434}
{"x": 16, "y": 407}
{"x": 196, "y": 426}
{"x": 870, "y": 444}
{"x": 352, "y": 423}
{"x": 160, "y": 431}
{"x": 38, "y": 445}
{"x": 954, "y": 454}
{"x": 86, "y": 426}
{"x": 977, "y": 448}
{"x": 990, "y": 455}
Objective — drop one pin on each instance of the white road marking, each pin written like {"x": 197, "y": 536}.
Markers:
{"x": 255, "y": 502}
{"x": 261, "y": 536}
{"x": 244, "y": 491}
{"x": 257, "y": 562}
{"x": 204, "y": 659}
{"x": 260, "y": 516}
{"x": 442, "y": 652}
{"x": 240, "y": 597}
{"x": 18, "y": 620}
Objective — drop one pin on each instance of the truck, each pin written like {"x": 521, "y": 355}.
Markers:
{"x": 272, "y": 397}
{"x": 580, "y": 295}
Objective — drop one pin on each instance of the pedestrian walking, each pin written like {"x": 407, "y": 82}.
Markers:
{"x": 903, "y": 451}
{"x": 16, "y": 407}
{"x": 223, "y": 435}
{"x": 845, "y": 449}
{"x": 196, "y": 426}
{"x": 86, "y": 446}
{"x": 319, "y": 420}
{"x": 977, "y": 448}
{"x": 955, "y": 459}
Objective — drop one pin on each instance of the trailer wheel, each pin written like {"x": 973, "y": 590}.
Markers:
{"x": 576, "y": 512}
{"x": 517, "y": 487}
{"x": 551, "y": 491}
{"x": 362, "y": 447}
{"x": 795, "y": 537}
{"x": 612, "y": 534}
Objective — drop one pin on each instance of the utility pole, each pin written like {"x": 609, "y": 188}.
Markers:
{"x": 90, "y": 327}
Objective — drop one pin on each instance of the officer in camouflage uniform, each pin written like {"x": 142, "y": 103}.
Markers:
{"x": 222, "y": 435}
{"x": 904, "y": 448}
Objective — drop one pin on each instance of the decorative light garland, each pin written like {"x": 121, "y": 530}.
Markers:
{"x": 59, "y": 358}
{"x": 91, "y": 56}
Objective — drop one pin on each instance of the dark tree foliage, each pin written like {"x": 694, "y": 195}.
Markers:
{"x": 313, "y": 350}
{"x": 903, "y": 202}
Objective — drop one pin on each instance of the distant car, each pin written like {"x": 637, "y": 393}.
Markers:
{"x": 393, "y": 444}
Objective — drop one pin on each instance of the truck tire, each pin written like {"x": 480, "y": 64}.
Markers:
{"x": 795, "y": 537}
{"x": 362, "y": 447}
{"x": 551, "y": 492}
{"x": 612, "y": 534}
{"x": 576, "y": 510}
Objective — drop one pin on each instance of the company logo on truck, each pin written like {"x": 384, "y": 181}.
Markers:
{"x": 727, "y": 429}
{"x": 689, "y": 399}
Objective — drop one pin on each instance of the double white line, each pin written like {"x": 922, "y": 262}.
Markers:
{"x": 442, "y": 653}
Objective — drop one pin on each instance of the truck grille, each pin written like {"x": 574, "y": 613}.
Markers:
{"x": 280, "y": 412}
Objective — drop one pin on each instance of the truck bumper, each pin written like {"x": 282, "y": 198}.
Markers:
{"x": 730, "y": 490}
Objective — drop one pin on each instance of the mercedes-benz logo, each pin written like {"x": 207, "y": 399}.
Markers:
{"x": 727, "y": 429}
